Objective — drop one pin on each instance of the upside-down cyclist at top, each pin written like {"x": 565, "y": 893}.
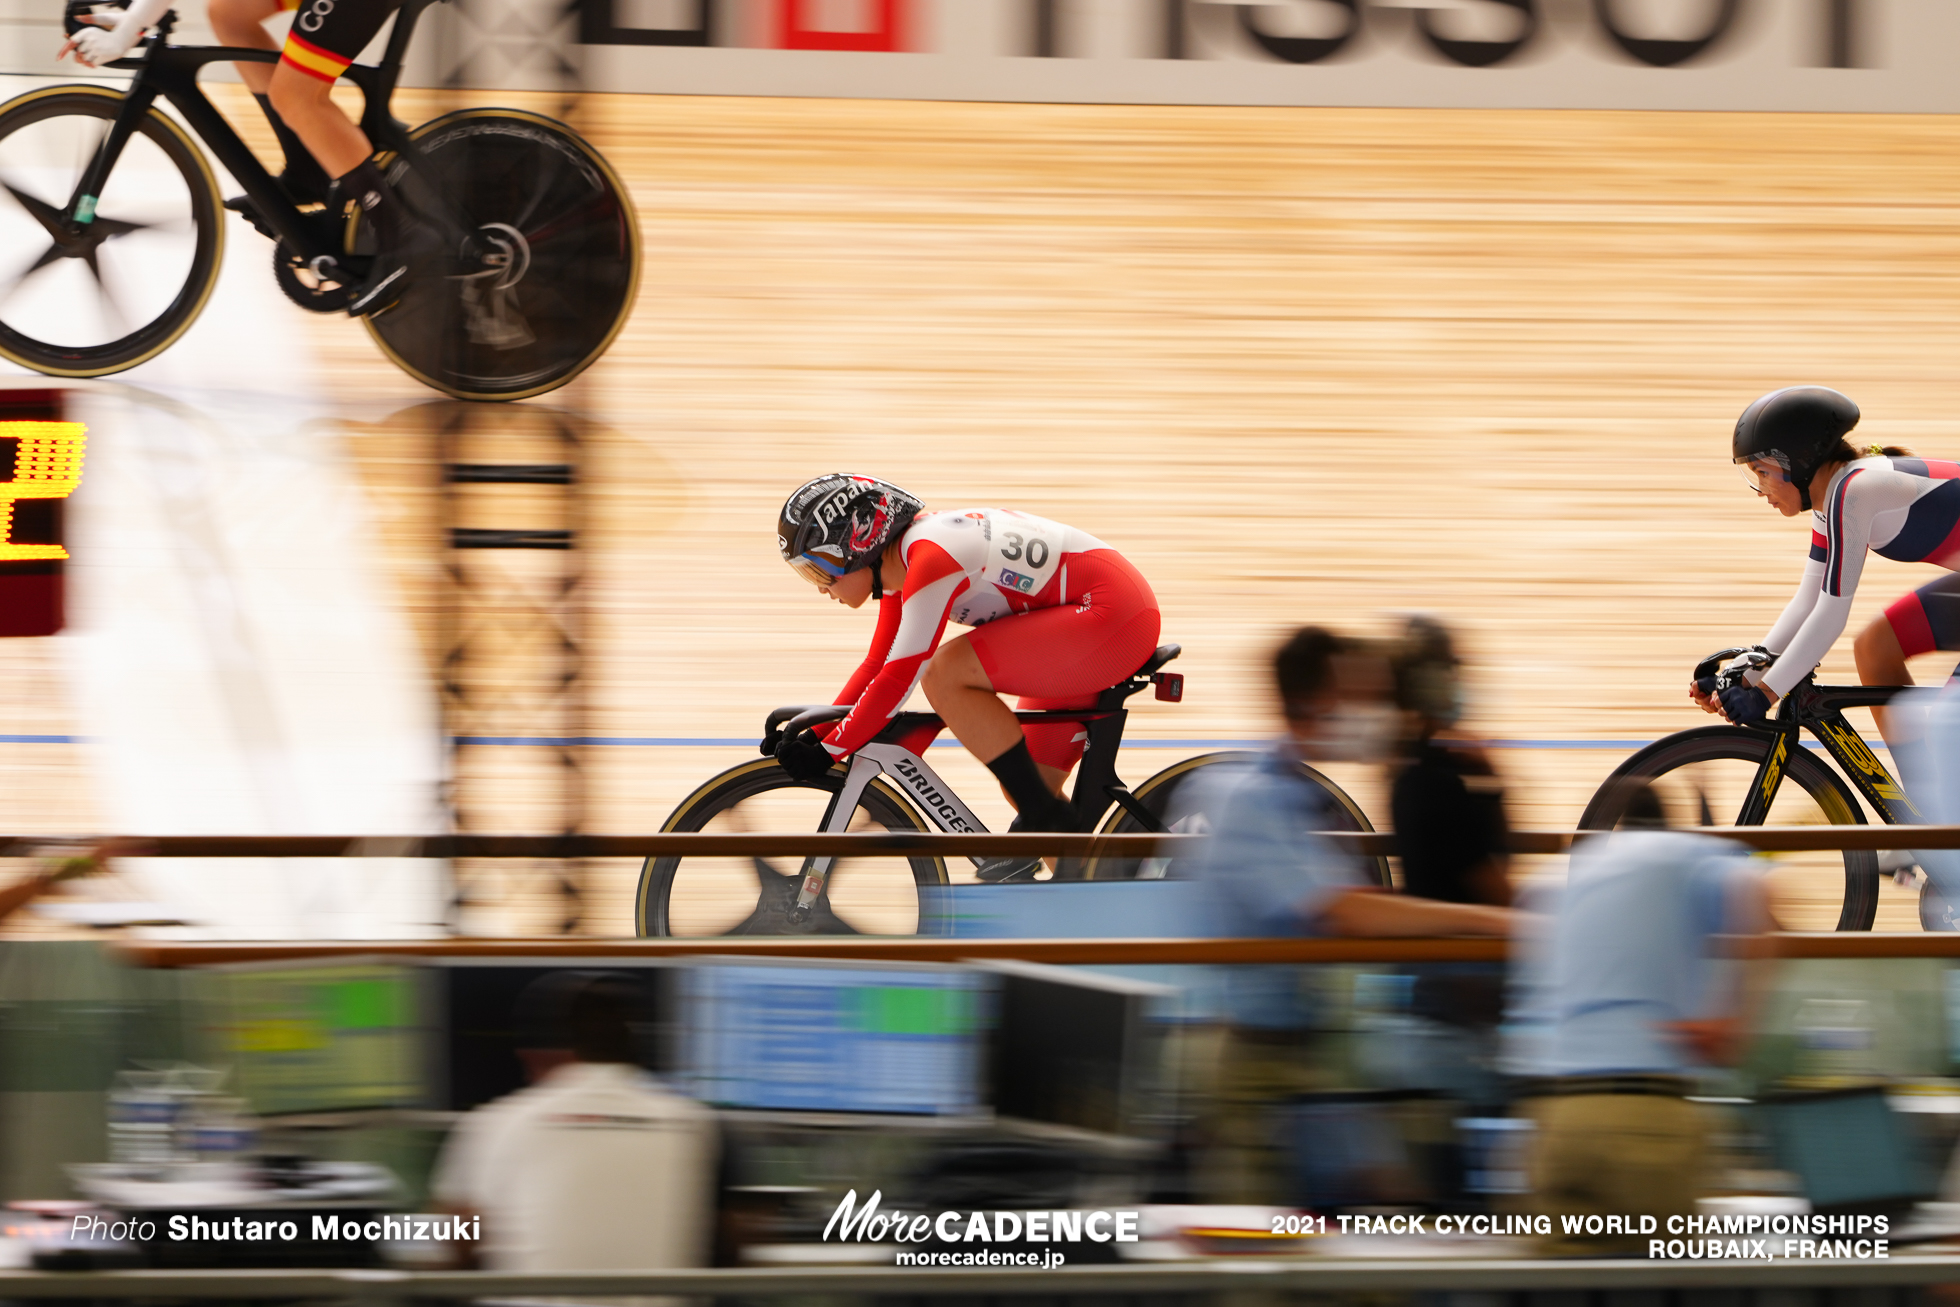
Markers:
{"x": 1791, "y": 445}
{"x": 1057, "y": 616}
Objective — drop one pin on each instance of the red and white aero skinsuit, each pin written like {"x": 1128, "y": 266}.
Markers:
{"x": 1059, "y": 617}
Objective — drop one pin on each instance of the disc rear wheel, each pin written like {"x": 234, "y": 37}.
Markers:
{"x": 1174, "y": 797}
{"x": 555, "y": 266}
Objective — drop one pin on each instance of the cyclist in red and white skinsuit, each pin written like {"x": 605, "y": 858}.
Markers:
{"x": 1057, "y": 616}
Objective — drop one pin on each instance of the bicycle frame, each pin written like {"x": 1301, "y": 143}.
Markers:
{"x": 1820, "y": 709}
{"x": 171, "y": 71}
{"x": 1096, "y": 784}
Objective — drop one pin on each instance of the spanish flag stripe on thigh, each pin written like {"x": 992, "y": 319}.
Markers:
{"x": 312, "y": 60}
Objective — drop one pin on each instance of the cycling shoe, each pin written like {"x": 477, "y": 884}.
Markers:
{"x": 392, "y": 271}
{"x": 1009, "y": 870}
{"x": 1059, "y": 819}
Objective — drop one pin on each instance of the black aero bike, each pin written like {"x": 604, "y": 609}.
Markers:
{"x": 1769, "y": 777}
{"x": 112, "y": 227}
{"x": 888, "y": 786}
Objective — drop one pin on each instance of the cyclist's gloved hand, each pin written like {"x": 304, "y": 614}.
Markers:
{"x": 98, "y": 45}
{"x": 1745, "y": 705}
{"x": 770, "y": 739}
{"x": 803, "y": 756}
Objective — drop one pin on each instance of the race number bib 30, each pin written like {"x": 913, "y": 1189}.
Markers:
{"x": 1023, "y": 551}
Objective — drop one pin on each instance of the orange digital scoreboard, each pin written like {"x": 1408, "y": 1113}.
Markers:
{"x": 40, "y": 466}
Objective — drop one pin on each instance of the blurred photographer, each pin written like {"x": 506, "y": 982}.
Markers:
{"x": 1270, "y": 873}
{"x": 596, "y": 1166}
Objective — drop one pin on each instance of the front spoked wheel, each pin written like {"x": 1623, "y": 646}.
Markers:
{"x": 732, "y": 895}
{"x": 559, "y": 259}
{"x": 1703, "y": 775}
{"x": 123, "y": 285}
{"x": 1175, "y": 799}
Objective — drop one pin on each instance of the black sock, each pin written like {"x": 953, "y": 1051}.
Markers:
{"x": 303, "y": 174}
{"x": 379, "y": 204}
{"x": 1038, "y": 805}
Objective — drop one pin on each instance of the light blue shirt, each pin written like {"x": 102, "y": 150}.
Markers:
{"x": 1927, "y": 759}
{"x": 1625, "y": 951}
{"x": 1266, "y": 874}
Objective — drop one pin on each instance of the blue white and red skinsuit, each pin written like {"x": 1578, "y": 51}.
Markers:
{"x": 1907, "y": 509}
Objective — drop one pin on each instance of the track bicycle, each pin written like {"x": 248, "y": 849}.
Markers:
{"x": 888, "y": 785}
{"x": 112, "y": 227}
{"x": 1754, "y": 768}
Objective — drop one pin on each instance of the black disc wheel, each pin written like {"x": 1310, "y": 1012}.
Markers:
{"x": 734, "y": 895}
{"x": 94, "y": 285}
{"x": 555, "y": 265}
{"x": 1702, "y": 777}
{"x": 1172, "y": 797}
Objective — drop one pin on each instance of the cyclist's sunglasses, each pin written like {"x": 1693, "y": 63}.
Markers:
{"x": 816, "y": 570}
{"x": 1760, "y": 470}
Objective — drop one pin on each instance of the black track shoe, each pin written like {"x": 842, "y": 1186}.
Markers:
{"x": 1016, "y": 869}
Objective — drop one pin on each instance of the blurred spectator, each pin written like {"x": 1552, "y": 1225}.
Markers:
{"x": 595, "y": 1166}
{"x": 1271, "y": 874}
{"x": 1925, "y": 740}
{"x": 1630, "y": 1000}
{"x": 1451, "y": 831}
{"x": 1447, "y": 801}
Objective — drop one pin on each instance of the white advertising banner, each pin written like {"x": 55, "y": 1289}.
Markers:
{"x": 1890, "y": 56}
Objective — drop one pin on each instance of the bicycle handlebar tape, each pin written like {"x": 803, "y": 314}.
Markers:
{"x": 40, "y": 466}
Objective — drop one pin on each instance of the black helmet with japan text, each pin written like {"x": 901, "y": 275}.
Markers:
{"x": 1797, "y": 428}
{"x": 837, "y": 524}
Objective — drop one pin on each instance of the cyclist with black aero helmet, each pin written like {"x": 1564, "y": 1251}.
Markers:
{"x": 1057, "y": 616}
{"x": 1791, "y": 445}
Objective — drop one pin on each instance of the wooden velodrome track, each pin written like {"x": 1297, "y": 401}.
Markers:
{"x": 1301, "y": 365}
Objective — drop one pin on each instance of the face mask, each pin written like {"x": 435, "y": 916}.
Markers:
{"x": 1354, "y": 732}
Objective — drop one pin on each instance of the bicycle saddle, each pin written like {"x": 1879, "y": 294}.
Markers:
{"x": 1164, "y": 654}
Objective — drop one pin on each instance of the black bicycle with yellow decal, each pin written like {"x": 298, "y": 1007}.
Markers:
{"x": 1766, "y": 776}
{"x": 112, "y": 227}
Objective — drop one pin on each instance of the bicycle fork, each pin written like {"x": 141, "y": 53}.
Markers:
{"x": 836, "y": 820}
{"x": 80, "y": 213}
